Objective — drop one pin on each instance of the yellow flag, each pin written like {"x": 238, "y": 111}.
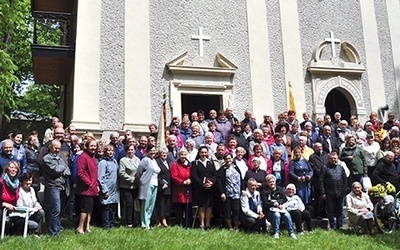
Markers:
{"x": 292, "y": 105}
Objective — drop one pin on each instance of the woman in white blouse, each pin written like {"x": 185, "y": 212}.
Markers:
{"x": 27, "y": 198}
{"x": 359, "y": 208}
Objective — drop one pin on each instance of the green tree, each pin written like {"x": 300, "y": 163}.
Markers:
{"x": 40, "y": 99}
{"x": 15, "y": 55}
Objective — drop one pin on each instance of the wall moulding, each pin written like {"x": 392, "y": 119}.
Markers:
{"x": 201, "y": 76}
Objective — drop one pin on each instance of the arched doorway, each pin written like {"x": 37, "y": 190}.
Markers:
{"x": 336, "y": 101}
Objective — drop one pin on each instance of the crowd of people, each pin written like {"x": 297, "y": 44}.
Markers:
{"x": 219, "y": 171}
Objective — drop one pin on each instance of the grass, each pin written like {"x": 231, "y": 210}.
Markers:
{"x": 178, "y": 238}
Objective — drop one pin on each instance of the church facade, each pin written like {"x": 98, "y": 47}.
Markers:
{"x": 337, "y": 56}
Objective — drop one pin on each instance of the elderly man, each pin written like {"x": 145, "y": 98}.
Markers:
{"x": 389, "y": 123}
{"x": 248, "y": 120}
{"x": 353, "y": 156}
{"x": 251, "y": 216}
{"x": 273, "y": 199}
{"x": 172, "y": 149}
{"x": 212, "y": 115}
{"x": 385, "y": 171}
{"x": 6, "y": 153}
{"x": 328, "y": 141}
{"x": 229, "y": 115}
{"x": 56, "y": 173}
{"x": 318, "y": 161}
{"x": 333, "y": 189}
{"x": 118, "y": 147}
{"x": 64, "y": 152}
{"x": 394, "y": 132}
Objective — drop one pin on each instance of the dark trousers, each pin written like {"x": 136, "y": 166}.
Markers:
{"x": 299, "y": 216}
{"x": 231, "y": 208}
{"x": 129, "y": 195}
{"x": 251, "y": 223}
{"x": 334, "y": 207}
{"x": 108, "y": 215}
{"x": 318, "y": 204}
{"x": 180, "y": 213}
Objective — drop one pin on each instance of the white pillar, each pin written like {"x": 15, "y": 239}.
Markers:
{"x": 261, "y": 82}
{"x": 372, "y": 54}
{"x": 292, "y": 53}
{"x": 85, "y": 110}
{"x": 137, "y": 66}
{"x": 393, "y": 9}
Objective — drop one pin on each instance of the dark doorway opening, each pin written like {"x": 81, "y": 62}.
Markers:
{"x": 192, "y": 103}
{"x": 336, "y": 101}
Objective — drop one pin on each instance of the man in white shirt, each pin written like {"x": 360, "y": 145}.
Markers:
{"x": 252, "y": 216}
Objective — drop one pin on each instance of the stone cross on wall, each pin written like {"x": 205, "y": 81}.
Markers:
{"x": 333, "y": 41}
{"x": 201, "y": 38}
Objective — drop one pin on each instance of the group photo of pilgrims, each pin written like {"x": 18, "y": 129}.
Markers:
{"x": 214, "y": 171}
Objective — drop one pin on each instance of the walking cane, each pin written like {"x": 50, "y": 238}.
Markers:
{"x": 187, "y": 206}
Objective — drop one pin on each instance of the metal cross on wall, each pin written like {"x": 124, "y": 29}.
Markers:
{"x": 201, "y": 38}
{"x": 333, "y": 41}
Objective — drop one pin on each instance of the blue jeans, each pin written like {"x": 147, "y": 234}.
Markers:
{"x": 275, "y": 219}
{"x": 108, "y": 214}
{"x": 334, "y": 208}
{"x": 53, "y": 210}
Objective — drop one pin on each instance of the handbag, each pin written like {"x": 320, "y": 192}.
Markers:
{"x": 366, "y": 182}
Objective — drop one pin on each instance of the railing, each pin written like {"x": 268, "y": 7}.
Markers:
{"x": 53, "y": 29}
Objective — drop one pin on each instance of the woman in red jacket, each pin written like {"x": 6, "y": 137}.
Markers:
{"x": 181, "y": 187}
{"x": 87, "y": 185}
{"x": 9, "y": 187}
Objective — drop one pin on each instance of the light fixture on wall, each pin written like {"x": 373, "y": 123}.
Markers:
{"x": 381, "y": 111}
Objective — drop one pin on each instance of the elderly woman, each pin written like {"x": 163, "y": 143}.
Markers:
{"x": 240, "y": 162}
{"x": 196, "y": 136}
{"x": 181, "y": 188}
{"x": 258, "y": 136}
{"x": 210, "y": 144}
{"x": 27, "y": 198}
{"x": 279, "y": 168}
{"x": 190, "y": 148}
{"x": 359, "y": 208}
{"x": 9, "y": 186}
{"x": 273, "y": 199}
{"x": 230, "y": 185}
{"x": 87, "y": 185}
{"x": 297, "y": 210}
{"x": 301, "y": 173}
{"x": 108, "y": 176}
{"x": 163, "y": 201}
{"x": 128, "y": 166}
{"x": 148, "y": 184}
{"x": 256, "y": 173}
